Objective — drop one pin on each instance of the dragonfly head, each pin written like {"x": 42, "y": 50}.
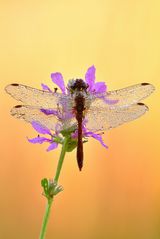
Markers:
{"x": 77, "y": 85}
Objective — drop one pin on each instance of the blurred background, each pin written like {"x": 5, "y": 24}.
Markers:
{"x": 117, "y": 194}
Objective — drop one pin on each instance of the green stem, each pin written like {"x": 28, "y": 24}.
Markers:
{"x": 61, "y": 159}
{"x": 49, "y": 201}
{"x": 45, "y": 219}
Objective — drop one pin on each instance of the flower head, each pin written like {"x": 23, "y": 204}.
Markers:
{"x": 65, "y": 114}
{"x": 94, "y": 87}
{"x": 86, "y": 134}
{"x": 52, "y": 140}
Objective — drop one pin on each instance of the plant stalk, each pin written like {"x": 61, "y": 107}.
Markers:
{"x": 50, "y": 200}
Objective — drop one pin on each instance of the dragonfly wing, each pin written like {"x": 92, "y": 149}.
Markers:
{"x": 34, "y": 97}
{"x": 30, "y": 114}
{"x": 99, "y": 119}
{"x": 130, "y": 95}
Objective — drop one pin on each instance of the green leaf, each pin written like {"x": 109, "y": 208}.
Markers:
{"x": 67, "y": 132}
{"x": 51, "y": 188}
{"x": 72, "y": 144}
{"x": 44, "y": 184}
{"x": 58, "y": 140}
{"x": 58, "y": 189}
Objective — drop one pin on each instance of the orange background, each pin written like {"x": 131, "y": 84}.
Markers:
{"x": 117, "y": 195}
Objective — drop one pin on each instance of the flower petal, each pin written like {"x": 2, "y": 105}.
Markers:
{"x": 57, "y": 78}
{"x": 45, "y": 87}
{"x": 49, "y": 112}
{"x": 97, "y": 137}
{"x": 52, "y": 146}
{"x": 38, "y": 140}
{"x": 90, "y": 76}
{"x": 75, "y": 134}
{"x": 100, "y": 87}
{"x": 40, "y": 129}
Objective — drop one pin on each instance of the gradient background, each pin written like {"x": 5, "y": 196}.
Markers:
{"x": 117, "y": 195}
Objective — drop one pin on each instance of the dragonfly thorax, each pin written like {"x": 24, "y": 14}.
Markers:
{"x": 77, "y": 86}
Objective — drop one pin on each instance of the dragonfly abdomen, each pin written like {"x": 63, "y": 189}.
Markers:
{"x": 79, "y": 109}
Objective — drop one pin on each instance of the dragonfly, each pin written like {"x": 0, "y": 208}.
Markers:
{"x": 81, "y": 104}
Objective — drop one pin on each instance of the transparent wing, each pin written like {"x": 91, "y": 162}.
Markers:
{"x": 34, "y": 97}
{"x": 30, "y": 114}
{"x": 130, "y": 95}
{"x": 99, "y": 119}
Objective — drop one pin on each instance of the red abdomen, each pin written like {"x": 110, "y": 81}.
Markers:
{"x": 79, "y": 108}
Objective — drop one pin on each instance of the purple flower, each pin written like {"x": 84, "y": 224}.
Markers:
{"x": 97, "y": 137}
{"x": 94, "y": 87}
{"x": 88, "y": 134}
{"x": 50, "y": 112}
{"x": 45, "y": 87}
{"x": 97, "y": 89}
{"x": 57, "y": 78}
{"x": 39, "y": 140}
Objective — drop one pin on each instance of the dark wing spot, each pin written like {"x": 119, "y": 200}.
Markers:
{"x": 18, "y": 106}
{"x": 143, "y": 105}
{"x": 55, "y": 90}
{"x": 145, "y": 84}
{"x": 15, "y": 84}
{"x": 140, "y": 103}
